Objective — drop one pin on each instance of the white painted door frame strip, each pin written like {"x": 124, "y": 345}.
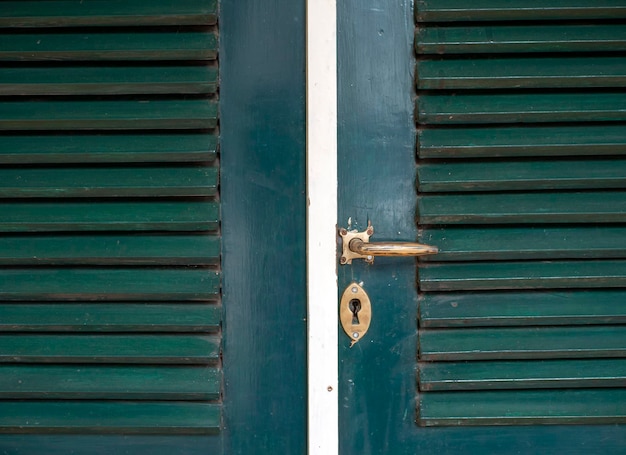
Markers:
{"x": 321, "y": 63}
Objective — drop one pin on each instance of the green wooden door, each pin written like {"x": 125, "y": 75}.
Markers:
{"x": 496, "y": 134}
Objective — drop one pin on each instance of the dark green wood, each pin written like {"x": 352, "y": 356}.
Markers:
{"x": 99, "y": 382}
{"x": 104, "y": 115}
{"x": 522, "y": 275}
{"x": 588, "y": 207}
{"x": 520, "y": 39}
{"x": 585, "y": 139}
{"x": 137, "y": 45}
{"x": 509, "y": 73}
{"x": 118, "y": 80}
{"x": 116, "y": 417}
{"x": 263, "y": 194}
{"x": 109, "y": 284}
{"x": 511, "y": 243}
{"x": 108, "y": 182}
{"x": 504, "y": 10}
{"x": 506, "y": 308}
{"x": 152, "y": 349}
{"x": 36, "y": 148}
{"x": 520, "y": 108}
{"x": 521, "y": 175}
{"x": 522, "y": 374}
{"x": 78, "y": 13}
{"x": 140, "y": 249}
{"x": 523, "y": 407}
{"x": 117, "y": 317}
{"x": 522, "y": 343}
{"x": 107, "y": 216}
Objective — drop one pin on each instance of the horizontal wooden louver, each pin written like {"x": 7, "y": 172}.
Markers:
{"x": 521, "y": 135}
{"x": 109, "y": 244}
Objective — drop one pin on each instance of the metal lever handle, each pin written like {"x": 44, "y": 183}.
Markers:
{"x": 356, "y": 245}
{"x": 391, "y": 248}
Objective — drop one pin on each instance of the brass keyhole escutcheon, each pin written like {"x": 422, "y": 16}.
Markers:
{"x": 355, "y": 312}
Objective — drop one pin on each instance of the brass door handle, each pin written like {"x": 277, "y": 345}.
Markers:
{"x": 356, "y": 245}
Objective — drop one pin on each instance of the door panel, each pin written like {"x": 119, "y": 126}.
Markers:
{"x": 379, "y": 398}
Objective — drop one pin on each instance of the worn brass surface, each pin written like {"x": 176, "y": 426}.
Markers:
{"x": 355, "y": 325}
{"x": 356, "y": 245}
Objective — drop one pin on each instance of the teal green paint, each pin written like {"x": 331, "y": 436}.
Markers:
{"x": 123, "y": 80}
{"x": 498, "y": 73}
{"x": 109, "y": 216}
{"x": 103, "y": 249}
{"x": 108, "y": 115}
{"x": 109, "y": 382}
{"x": 522, "y": 275}
{"x": 531, "y": 374}
{"x": 523, "y": 343}
{"x": 495, "y": 39}
{"x": 115, "y": 147}
{"x": 78, "y": 13}
{"x": 109, "y": 417}
{"x": 94, "y": 46}
{"x": 121, "y": 283}
{"x": 496, "y": 10}
{"x": 521, "y": 175}
{"x": 520, "y": 108}
{"x": 583, "y": 139}
{"x": 515, "y": 308}
{"x": 378, "y": 376}
{"x": 524, "y": 407}
{"x": 109, "y": 182}
{"x": 524, "y": 242}
{"x": 508, "y": 208}
{"x": 263, "y": 149}
{"x": 115, "y": 317}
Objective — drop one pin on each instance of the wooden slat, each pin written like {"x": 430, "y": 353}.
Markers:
{"x": 522, "y": 175}
{"x": 512, "y": 243}
{"x": 588, "y": 140}
{"x": 141, "y": 249}
{"x": 509, "y": 73}
{"x": 153, "y": 349}
{"x": 137, "y": 45}
{"x": 108, "y": 182}
{"x": 523, "y": 407}
{"x": 78, "y": 13}
{"x": 112, "y": 148}
{"x": 546, "y": 374}
{"x": 117, "y": 317}
{"x": 522, "y": 275}
{"x": 520, "y": 108}
{"x": 588, "y": 207}
{"x": 520, "y": 39}
{"x": 522, "y": 343}
{"x": 119, "y": 115}
{"x": 504, "y": 10}
{"x": 109, "y": 284}
{"x": 94, "y": 382}
{"x": 118, "y": 80}
{"x": 506, "y": 308}
{"x": 107, "y": 216}
{"x": 117, "y": 417}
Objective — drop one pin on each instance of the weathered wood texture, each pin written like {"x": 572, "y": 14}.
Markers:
{"x": 109, "y": 218}
{"x": 521, "y": 133}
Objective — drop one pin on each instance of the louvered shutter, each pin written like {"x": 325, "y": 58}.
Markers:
{"x": 521, "y": 175}
{"x": 109, "y": 217}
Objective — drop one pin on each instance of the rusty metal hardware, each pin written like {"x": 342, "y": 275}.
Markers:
{"x": 355, "y": 312}
{"x": 357, "y": 245}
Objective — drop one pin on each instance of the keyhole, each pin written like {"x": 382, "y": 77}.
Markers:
{"x": 355, "y": 307}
